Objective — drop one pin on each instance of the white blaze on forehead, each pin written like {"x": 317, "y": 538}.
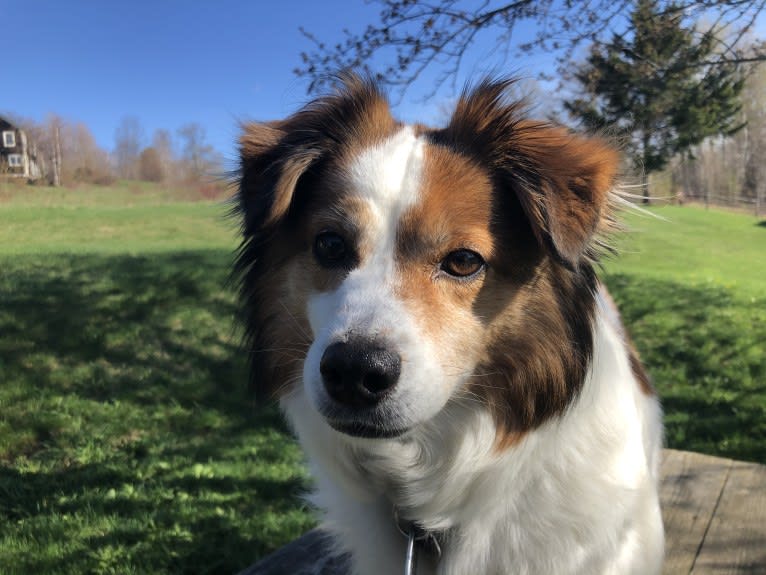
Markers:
{"x": 387, "y": 177}
{"x": 388, "y": 174}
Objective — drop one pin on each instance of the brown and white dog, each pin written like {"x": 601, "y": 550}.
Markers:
{"x": 423, "y": 303}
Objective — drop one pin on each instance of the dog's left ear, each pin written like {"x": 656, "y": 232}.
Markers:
{"x": 564, "y": 185}
{"x": 562, "y": 180}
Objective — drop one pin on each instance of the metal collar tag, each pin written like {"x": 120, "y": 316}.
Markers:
{"x": 411, "y": 559}
{"x": 416, "y": 537}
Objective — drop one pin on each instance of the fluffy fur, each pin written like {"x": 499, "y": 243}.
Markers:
{"x": 503, "y": 410}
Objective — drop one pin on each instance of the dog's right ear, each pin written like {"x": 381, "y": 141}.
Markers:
{"x": 271, "y": 164}
{"x": 273, "y": 158}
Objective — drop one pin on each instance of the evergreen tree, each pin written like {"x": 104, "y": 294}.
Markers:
{"x": 654, "y": 86}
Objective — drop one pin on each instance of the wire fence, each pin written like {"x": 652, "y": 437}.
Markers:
{"x": 664, "y": 190}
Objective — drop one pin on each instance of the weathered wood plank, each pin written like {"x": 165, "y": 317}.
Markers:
{"x": 735, "y": 542}
{"x": 691, "y": 486}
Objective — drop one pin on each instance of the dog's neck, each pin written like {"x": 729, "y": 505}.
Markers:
{"x": 408, "y": 471}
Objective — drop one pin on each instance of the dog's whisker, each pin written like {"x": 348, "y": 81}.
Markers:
{"x": 296, "y": 323}
{"x": 302, "y": 349}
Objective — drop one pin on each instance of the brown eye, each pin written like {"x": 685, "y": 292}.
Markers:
{"x": 462, "y": 263}
{"x": 330, "y": 249}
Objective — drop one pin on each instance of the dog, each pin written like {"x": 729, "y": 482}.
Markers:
{"x": 423, "y": 304}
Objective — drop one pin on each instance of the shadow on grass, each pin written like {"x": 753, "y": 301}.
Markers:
{"x": 193, "y": 524}
{"x": 128, "y": 443}
{"x": 706, "y": 351}
{"x": 130, "y": 417}
{"x": 761, "y": 224}
{"x": 142, "y": 312}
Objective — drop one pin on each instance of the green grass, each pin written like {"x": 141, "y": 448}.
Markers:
{"x": 696, "y": 247}
{"x": 131, "y": 217}
{"x": 128, "y": 443}
{"x": 692, "y": 291}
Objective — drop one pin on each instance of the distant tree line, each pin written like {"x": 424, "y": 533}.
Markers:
{"x": 725, "y": 170}
{"x": 68, "y": 153}
{"x": 188, "y": 157}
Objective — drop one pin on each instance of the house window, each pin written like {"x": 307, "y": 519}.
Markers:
{"x": 9, "y": 139}
{"x": 15, "y": 160}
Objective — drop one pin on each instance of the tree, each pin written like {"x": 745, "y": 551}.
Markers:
{"x": 162, "y": 143}
{"x": 414, "y": 36}
{"x": 127, "y": 146}
{"x": 150, "y": 167}
{"x": 654, "y": 88}
{"x": 82, "y": 159}
{"x": 53, "y": 127}
{"x": 198, "y": 157}
{"x": 754, "y": 136}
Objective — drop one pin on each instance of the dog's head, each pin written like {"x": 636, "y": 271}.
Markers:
{"x": 389, "y": 269}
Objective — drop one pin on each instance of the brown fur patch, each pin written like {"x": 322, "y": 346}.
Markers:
{"x": 345, "y": 215}
{"x": 537, "y": 350}
{"x": 454, "y": 212}
{"x": 548, "y": 200}
{"x": 639, "y": 371}
{"x": 575, "y": 175}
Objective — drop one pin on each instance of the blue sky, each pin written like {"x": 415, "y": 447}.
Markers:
{"x": 170, "y": 62}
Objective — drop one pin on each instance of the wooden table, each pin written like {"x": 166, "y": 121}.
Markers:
{"x": 714, "y": 511}
{"x": 715, "y": 514}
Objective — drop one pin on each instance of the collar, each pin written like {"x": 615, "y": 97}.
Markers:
{"x": 418, "y": 540}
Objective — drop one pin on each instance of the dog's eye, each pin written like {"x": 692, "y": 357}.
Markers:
{"x": 462, "y": 263}
{"x": 329, "y": 249}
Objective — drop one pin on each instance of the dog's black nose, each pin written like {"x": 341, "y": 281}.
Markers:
{"x": 358, "y": 373}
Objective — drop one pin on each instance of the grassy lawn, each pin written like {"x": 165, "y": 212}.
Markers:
{"x": 128, "y": 443}
{"x": 692, "y": 290}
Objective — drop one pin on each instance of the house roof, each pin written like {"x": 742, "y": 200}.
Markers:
{"x": 7, "y": 125}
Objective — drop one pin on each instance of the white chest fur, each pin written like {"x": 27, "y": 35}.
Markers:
{"x": 577, "y": 495}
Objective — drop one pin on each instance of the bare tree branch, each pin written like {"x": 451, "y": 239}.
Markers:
{"x": 412, "y": 37}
